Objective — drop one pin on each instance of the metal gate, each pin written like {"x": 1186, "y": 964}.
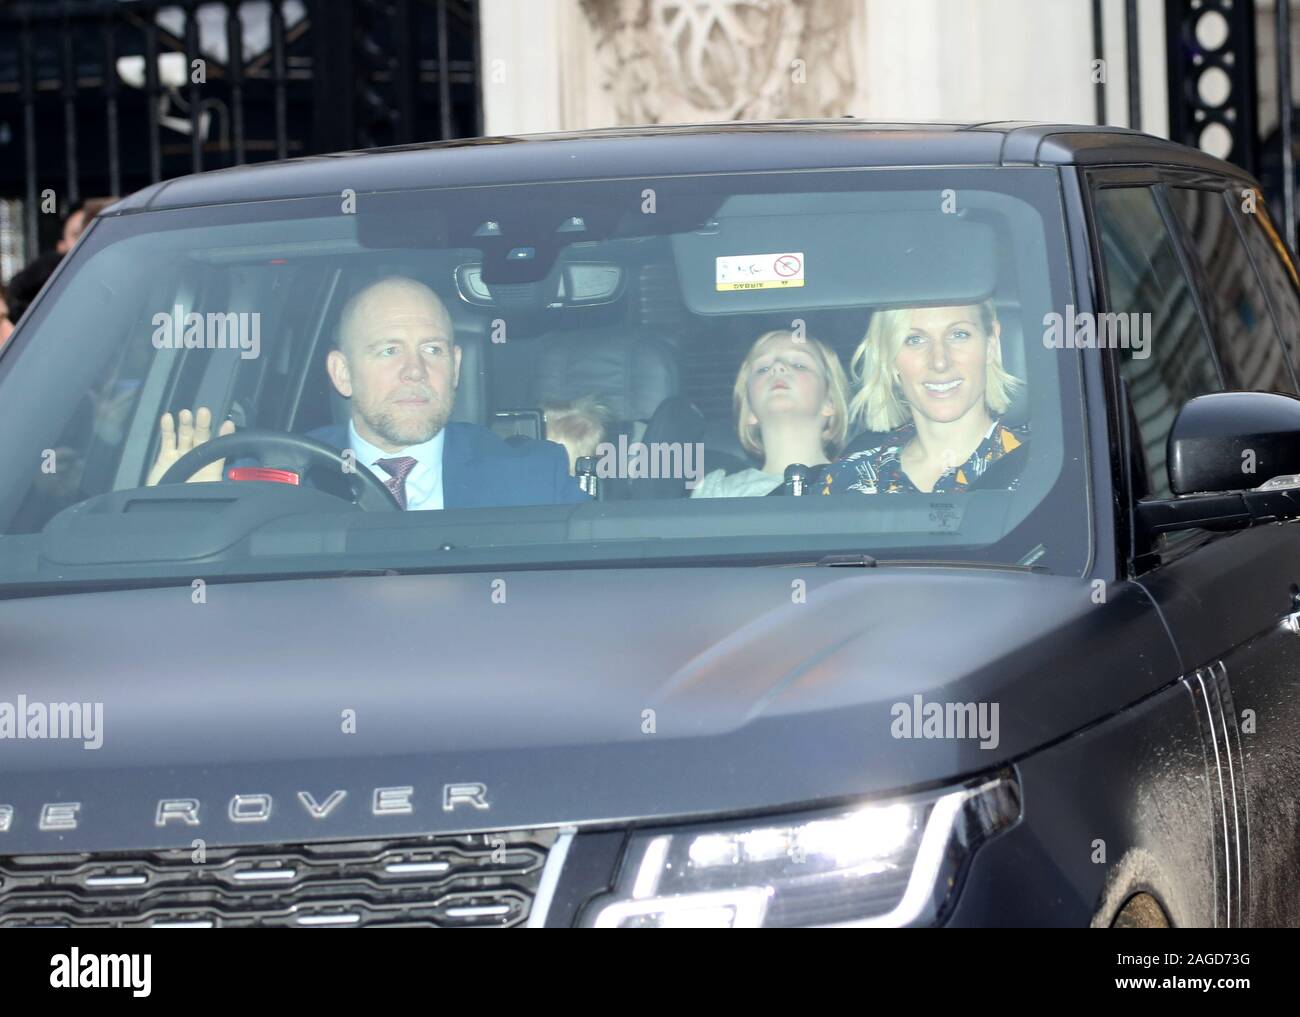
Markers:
{"x": 102, "y": 97}
{"x": 1213, "y": 88}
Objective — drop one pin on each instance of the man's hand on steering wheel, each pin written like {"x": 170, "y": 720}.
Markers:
{"x": 194, "y": 429}
{"x": 275, "y": 451}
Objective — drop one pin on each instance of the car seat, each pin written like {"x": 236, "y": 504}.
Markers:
{"x": 636, "y": 377}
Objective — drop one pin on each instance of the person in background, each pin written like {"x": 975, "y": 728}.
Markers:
{"x": 28, "y": 281}
{"x": 79, "y": 217}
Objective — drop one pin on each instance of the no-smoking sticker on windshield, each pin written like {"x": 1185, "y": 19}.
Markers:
{"x": 760, "y": 271}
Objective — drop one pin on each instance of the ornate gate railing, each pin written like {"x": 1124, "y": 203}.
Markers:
{"x": 102, "y": 97}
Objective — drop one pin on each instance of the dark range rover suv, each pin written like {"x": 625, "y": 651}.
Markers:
{"x": 1047, "y": 675}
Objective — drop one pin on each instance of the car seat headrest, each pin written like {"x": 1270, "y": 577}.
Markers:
{"x": 631, "y": 375}
{"x": 1013, "y": 360}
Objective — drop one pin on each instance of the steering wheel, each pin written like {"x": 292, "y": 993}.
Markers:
{"x": 294, "y": 452}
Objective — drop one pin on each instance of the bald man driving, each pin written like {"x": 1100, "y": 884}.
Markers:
{"x": 396, "y": 360}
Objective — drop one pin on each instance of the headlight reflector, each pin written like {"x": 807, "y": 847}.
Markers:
{"x": 894, "y": 862}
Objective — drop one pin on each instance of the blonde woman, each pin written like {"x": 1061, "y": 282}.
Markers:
{"x": 932, "y": 377}
{"x": 791, "y": 407}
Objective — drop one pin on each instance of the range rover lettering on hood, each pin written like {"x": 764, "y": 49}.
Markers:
{"x": 257, "y": 808}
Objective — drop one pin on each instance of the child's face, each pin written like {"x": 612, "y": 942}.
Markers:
{"x": 786, "y": 380}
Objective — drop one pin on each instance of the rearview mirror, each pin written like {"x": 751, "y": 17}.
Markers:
{"x": 570, "y": 284}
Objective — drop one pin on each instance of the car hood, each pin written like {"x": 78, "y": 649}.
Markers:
{"x": 571, "y": 697}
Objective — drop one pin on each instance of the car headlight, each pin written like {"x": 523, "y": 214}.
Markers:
{"x": 894, "y": 862}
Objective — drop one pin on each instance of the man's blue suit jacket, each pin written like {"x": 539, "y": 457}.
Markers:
{"x": 480, "y": 469}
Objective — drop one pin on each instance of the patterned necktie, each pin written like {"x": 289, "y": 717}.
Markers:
{"x": 397, "y": 470}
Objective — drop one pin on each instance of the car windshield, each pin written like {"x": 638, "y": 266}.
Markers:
{"x": 744, "y": 368}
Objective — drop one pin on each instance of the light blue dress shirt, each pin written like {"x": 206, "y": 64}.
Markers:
{"x": 423, "y": 483}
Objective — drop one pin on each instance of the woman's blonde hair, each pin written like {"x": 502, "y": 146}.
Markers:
{"x": 836, "y": 429}
{"x": 877, "y": 405}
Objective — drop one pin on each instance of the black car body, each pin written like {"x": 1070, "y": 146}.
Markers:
{"x": 658, "y": 726}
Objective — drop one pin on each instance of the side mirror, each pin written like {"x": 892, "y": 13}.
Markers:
{"x": 1233, "y": 461}
{"x": 1228, "y": 441}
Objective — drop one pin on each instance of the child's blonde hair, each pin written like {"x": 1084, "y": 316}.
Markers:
{"x": 877, "y": 404}
{"x": 837, "y": 389}
{"x": 579, "y": 426}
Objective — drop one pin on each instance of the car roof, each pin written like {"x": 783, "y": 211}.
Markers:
{"x": 639, "y": 152}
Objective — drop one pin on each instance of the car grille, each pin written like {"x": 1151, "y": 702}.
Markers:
{"x": 479, "y": 880}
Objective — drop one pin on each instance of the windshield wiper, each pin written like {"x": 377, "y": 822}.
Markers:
{"x": 864, "y": 561}
{"x": 996, "y": 566}
{"x": 857, "y": 560}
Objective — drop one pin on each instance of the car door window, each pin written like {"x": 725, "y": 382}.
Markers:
{"x": 1275, "y": 267}
{"x": 1250, "y": 352}
{"x": 1144, "y": 277}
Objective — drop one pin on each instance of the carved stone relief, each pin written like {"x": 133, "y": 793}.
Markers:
{"x": 678, "y": 61}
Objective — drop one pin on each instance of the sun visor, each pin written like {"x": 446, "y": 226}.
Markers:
{"x": 737, "y": 264}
